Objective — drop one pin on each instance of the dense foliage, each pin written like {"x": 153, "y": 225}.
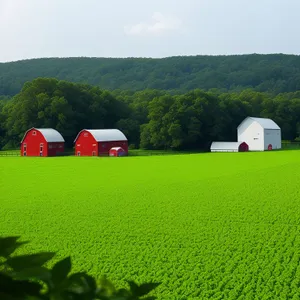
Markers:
{"x": 274, "y": 73}
{"x": 207, "y": 226}
{"x": 26, "y": 277}
{"x": 151, "y": 119}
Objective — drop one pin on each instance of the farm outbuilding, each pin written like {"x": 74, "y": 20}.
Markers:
{"x": 42, "y": 142}
{"x": 117, "y": 151}
{"x": 98, "y": 142}
{"x": 260, "y": 134}
{"x": 229, "y": 147}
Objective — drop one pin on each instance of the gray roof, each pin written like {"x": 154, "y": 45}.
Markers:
{"x": 225, "y": 145}
{"x": 105, "y": 135}
{"x": 265, "y": 123}
{"x": 50, "y": 135}
{"x": 116, "y": 148}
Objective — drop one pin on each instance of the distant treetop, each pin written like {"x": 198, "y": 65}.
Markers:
{"x": 275, "y": 73}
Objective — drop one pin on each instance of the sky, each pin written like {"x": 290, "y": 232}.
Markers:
{"x": 146, "y": 28}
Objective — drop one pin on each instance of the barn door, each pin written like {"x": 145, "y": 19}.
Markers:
{"x": 94, "y": 149}
{"x": 41, "y": 149}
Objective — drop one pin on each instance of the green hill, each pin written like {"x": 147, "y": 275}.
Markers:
{"x": 274, "y": 73}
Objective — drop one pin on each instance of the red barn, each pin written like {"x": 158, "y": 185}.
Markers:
{"x": 98, "y": 142}
{"x": 42, "y": 142}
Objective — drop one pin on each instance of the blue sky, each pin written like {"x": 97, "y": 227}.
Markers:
{"x": 146, "y": 28}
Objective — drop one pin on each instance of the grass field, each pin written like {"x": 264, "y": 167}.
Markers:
{"x": 208, "y": 226}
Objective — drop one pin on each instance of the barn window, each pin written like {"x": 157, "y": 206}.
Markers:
{"x": 33, "y": 132}
{"x": 60, "y": 146}
{"x": 25, "y": 147}
{"x": 78, "y": 145}
{"x": 78, "y": 153}
{"x": 85, "y": 134}
{"x": 255, "y": 138}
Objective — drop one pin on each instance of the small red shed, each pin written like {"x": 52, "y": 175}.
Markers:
{"x": 42, "y": 142}
{"x": 98, "y": 142}
{"x": 117, "y": 151}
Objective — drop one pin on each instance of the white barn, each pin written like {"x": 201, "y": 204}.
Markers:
{"x": 229, "y": 147}
{"x": 260, "y": 134}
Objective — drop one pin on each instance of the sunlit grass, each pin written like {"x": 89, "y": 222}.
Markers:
{"x": 219, "y": 226}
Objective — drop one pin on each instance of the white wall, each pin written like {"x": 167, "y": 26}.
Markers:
{"x": 273, "y": 137}
{"x": 253, "y": 134}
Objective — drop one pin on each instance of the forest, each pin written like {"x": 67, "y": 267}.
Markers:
{"x": 272, "y": 73}
{"x": 151, "y": 119}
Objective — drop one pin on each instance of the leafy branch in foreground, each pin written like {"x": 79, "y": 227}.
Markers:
{"x": 26, "y": 277}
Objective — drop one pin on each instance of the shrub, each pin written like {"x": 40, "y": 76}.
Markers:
{"x": 26, "y": 277}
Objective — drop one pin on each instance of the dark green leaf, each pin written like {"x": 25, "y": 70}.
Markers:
{"x": 7, "y": 296}
{"x": 22, "y": 262}
{"x": 18, "y": 288}
{"x": 40, "y": 273}
{"x": 77, "y": 283}
{"x": 133, "y": 287}
{"x": 91, "y": 282}
{"x": 8, "y": 245}
{"x": 61, "y": 270}
{"x": 105, "y": 288}
{"x": 123, "y": 293}
{"x": 143, "y": 289}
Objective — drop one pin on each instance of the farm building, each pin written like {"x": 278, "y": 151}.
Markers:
{"x": 260, "y": 134}
{"x": 229, "y": 147}
{"x": 98, "y": 142}
{"x": 117, "y": 151}
{"x": 42, "y": 142}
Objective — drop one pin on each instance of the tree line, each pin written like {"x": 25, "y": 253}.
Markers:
{"x": 151, "y": 119}
{"x": 274, "y": 73}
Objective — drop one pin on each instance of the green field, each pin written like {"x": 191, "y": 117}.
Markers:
{"x": 208, "y": 226}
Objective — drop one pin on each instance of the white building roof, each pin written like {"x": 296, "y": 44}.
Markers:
{"x": 117, "y": 148}
{"x": 225, "y": 145}
{"x": 105, "y": 135}
{"x": 50, "y": 135}
{"x": 265, "y": 123}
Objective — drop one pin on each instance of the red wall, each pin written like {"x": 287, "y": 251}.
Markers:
{"x": 33, "y": 144}
{"x": 104, "y": 147}
{"x": 55, "y": 148}
{"x": 86, "y": 144}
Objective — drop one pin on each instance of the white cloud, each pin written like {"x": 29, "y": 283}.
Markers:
{"x": 159, "y": 24}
